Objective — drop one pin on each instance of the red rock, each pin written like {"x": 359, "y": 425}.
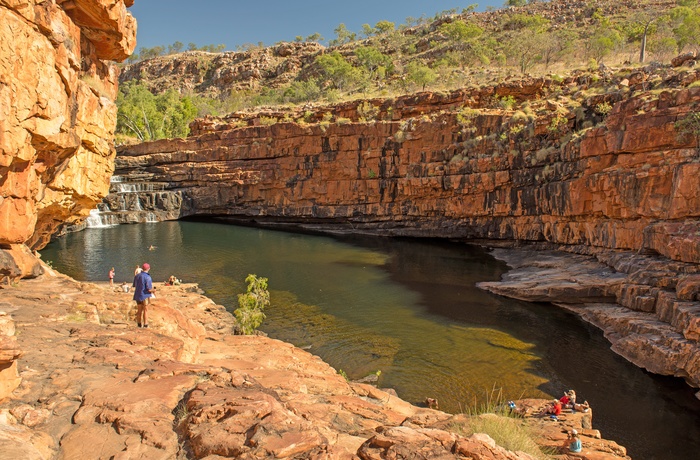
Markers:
{"x": 688, "y": 288}
{"x": 681, "y": 59}
{"x": 57, "y": 112}
{"x": 628, "y": 185}
{"x": 9, "y": 354}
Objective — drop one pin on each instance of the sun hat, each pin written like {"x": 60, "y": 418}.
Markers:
{"x": 146, "y": 267}
{"x": 574, "y": 432}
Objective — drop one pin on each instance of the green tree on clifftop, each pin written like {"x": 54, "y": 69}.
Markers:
{"x": 338, "y": 70}
{"x": 420, "y": 74}
{"x": 148, "y": 117}
{"x": 374, "y": 61}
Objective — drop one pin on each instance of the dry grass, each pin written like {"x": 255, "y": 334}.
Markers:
{"x": 494, "y": 418}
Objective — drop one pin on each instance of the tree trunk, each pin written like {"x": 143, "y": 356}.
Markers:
{"x": 643, "y": 50}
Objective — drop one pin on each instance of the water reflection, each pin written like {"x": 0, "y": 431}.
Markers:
{"x": 409, "y": 309}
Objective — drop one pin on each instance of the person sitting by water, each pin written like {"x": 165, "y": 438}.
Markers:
{"x": 574, "y": 442}
{"x": 568, "y": 400}
{"x": 172, "y": 281}
{"x": 553, "y": 408}
{"x": 432, "y": 403}
{"x": 585, "y": 407}
{"x": 125, "y": 287}
{"x": 564, "y": 400}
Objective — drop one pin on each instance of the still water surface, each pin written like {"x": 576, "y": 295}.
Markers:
{"x": 410, "y": 309}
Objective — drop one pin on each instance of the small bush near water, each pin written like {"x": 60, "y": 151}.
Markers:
{"x": 251, "y": 304}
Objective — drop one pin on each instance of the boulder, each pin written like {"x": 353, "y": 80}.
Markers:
{"x": 684, "y": 58}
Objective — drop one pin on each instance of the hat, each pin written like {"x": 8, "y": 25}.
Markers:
{"x": 574, "y": 432}
{"x": 146, "y": 267}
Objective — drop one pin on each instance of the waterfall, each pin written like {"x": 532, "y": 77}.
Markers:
{"x": 98, "y": 219}
{"x": 133, "y": 199}
{"x": 140, "y": 187}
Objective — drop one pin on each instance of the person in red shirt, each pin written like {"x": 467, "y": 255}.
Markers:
{"x": 564, "y": 400}
{"x": 569, "y": 399}
{"x": 554, "y": 408}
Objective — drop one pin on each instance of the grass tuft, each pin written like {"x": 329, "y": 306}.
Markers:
{"x": 494, "y": 418}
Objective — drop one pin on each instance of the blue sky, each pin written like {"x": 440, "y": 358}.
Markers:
{"x": 236, "y": 22}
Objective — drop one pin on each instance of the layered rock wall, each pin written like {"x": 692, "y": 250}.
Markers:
{"x": 57, "y": 115}
{"x": 629, "y": 183}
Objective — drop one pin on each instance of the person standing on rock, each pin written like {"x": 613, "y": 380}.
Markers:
{"x": 111, "y": 277}
{"x": 143, "y": 291}
{"x": 137, "y": 270}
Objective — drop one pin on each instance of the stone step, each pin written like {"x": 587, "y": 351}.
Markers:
{"x": 647, "y": 341}
{"x": 684, "y": 316}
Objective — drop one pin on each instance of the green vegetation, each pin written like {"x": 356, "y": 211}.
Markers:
{"x": 510, "y": 433}
{"x": 494, "y": 418}
{"x": 181, "y": 412}
{"x": 377, "y": 64}
{"x": 420, "y": 74}
{"x": 338, "y": 71}
{"x": 147, "y": 117}
{"x": 603, "y": 109}
{"x": 463, "y": 49}
{"x": 367, "y": 112}
{"x": 689, "y": 126}
{"x": 250, "y": 313}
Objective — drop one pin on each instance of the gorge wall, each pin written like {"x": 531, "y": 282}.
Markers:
{"x": 610, "y": 173}
{"x": 57, "y": 116}
{"x": 421, "y": 168}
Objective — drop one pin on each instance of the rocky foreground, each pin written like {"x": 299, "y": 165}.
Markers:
{"x": 80, "y": 381}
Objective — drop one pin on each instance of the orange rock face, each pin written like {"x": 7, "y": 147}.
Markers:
{"x": 628, "y": 184}
{"x": 612, "y": 186}
{"x": 57, "y": 111}
{"x": 9, "y": 352}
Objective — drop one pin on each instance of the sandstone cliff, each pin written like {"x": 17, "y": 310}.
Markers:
{"x": 454, "y": 166}
{"x": 57, "y": 116}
